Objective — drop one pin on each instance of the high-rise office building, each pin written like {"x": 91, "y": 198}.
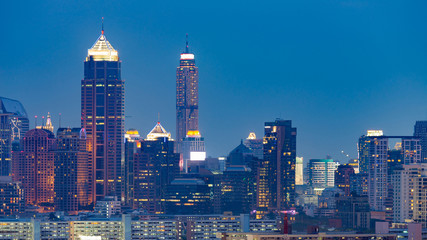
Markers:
{"x": 377, "y": 161}
{"x": 13, "y": 126}
{"x": 343, "y": 177}
{"x": 71, "y": 172}
{"x": 373, "y": 162}
{"x": 238, "y": 181}
{"x": 102, "y": 116}
{"x": 133, "y": 143}
{"x": 238, "y": 190}
{"x": 321, "y": 173}
{"x": 193, "y": 151}
{"x": 187, "y": 97}
{"x": 33, "y": 166}
{"x": 155, "y": 166}
{"x": 420, "y": 131}
{"x": 188, "y": 196}
{"x": 276, "y": 174}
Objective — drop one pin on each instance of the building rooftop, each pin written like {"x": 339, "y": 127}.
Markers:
{"x": 102, "y": 50}
{"x": 158, "y": 132}
{"x": 10, "y": 106}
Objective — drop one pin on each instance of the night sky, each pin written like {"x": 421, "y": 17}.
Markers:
{"x": 335, "y": 68}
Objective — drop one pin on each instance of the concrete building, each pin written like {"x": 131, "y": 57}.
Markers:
{"x": 320, "y": 236}
{"x": 135, "y": 227}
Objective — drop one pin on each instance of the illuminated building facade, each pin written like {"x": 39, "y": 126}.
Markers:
{"x": 11, "y": 197}
{"x": 155, "y": 166}
{"x": 238, "y": 190}
{"x": 187, "y": 97}
{"x": 299, "y": 171}
{"x": 132, "y": 144}
{"x": 373, "y": 162}
{"x": 48, "y": 124}
{"x": 33, "y": 166}
{"x": 102, "y": 116}
{"x": 377, "y": 162}
{"x": 13, "y": 126}
{"x": 71, "y": 172}
{"x": 276, "y": 174}
{"x": 193, "y": 151}
{"x": 321, "y": 173}
{"x": 188, "y": 196}
{"x": 343, "y": 176}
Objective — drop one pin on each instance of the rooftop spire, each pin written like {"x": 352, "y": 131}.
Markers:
{"x": 102, "y": 26}
{"x": 186, "y": 43}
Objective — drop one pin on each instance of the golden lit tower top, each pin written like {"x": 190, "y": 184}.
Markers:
{"x": 158, "y": 132}
{"x": 102, "y": 49}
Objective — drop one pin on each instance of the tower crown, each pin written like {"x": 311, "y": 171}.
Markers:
{"x": 102, "y": 49}
{"x": 158, "y": 132}
{"x": 186, "y": 55}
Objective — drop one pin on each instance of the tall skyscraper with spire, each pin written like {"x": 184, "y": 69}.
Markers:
{"x": 102, "y": 116}
{"x": 187, "y": 97}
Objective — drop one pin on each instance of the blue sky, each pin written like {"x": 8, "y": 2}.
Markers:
{"x": 335, "y": 68}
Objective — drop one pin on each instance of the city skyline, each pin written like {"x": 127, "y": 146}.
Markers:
{"x": 393, "y": 80}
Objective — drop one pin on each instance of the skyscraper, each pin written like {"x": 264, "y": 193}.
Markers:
{"x": 132, "y": 144}
{"x": 276, "y": 174}
{"x": 187, "y": 97}
{"x": 376, "y": 162}
{"x": 33, "y": 166}
{"x": 13, "y": 126}
{"x": 193, "y": 151}
{"x": 321, "y": 173}
{"x": 420, "y": 130}
{"x": 71, "y": 173}
{"x": 343, "y": 176}
{"x": 102, "y": 115}
{"x": 373, "y": 162}
{"x": 155, "y": 166}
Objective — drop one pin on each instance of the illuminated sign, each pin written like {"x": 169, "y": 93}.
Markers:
{"x": 187, "y": 56}
{"x": 197, "y": 156}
